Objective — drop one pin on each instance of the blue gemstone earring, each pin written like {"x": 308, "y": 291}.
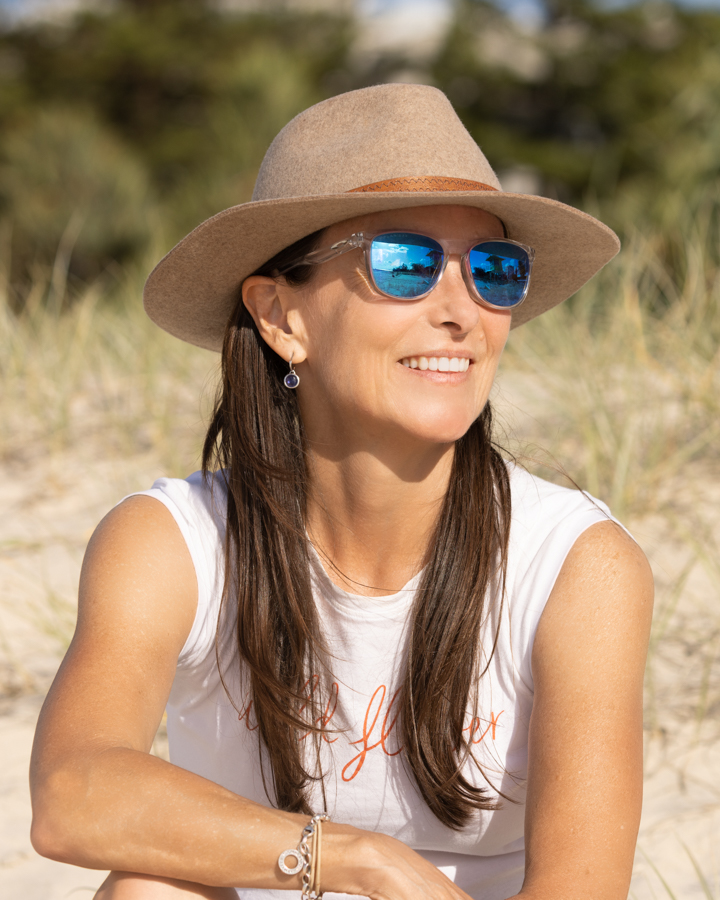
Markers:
{"x": 292, "y": 379}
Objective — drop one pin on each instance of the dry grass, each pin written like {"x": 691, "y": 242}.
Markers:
{"x": 620, "y": 389}
{"x": 99, "y": 372}
{"x": 630, "y": 397}
{"x": 81, "y": 381}
{"x": 623, "y": 387}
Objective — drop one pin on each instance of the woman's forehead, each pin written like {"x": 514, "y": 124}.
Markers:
{"x": 443, "y": 221}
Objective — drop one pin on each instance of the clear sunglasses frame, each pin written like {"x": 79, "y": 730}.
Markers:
{"x": 363, "y": 241}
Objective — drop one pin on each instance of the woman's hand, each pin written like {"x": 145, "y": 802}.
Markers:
{"x": 372, "y": 865}
{"x": 380, "y": 867}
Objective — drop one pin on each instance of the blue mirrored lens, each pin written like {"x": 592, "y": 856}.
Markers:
{"x": 501, "y": 272}
{"x": 405, "y": 265}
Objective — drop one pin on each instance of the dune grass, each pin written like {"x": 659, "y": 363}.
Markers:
{"x": 82, "y": 379}
{"x": 623, "y": 388}
{"x": 97, "y": 370}
{"x": 629, "y": 370}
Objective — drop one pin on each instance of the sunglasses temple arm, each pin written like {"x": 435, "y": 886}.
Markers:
{"x": 321, "y": 256}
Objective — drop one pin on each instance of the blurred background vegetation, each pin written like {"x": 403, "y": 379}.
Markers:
{"x": 124, "y": 125}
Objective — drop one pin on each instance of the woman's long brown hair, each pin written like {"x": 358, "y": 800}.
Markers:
{"x": 256, "y": 438}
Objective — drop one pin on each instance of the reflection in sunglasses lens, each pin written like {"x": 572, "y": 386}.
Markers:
{"x": 501, "y": 272}
{"x": 405, "y": 265}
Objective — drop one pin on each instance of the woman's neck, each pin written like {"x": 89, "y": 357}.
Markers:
{"x": 370, "y": 525}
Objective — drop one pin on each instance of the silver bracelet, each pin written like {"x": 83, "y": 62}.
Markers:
{"x": 307, "y": 854}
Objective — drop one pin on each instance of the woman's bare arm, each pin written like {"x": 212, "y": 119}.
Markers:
{"x": 101, "y": 800}
{"x": 585, "y": 767}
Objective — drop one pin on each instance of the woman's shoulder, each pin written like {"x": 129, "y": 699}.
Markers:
{"x": 198, "y": 505}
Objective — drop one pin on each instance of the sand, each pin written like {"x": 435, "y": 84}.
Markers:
{"x": 50, "y": 504}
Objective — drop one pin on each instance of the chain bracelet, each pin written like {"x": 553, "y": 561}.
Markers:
{"x": 304, "y": 857}
{"x": 308, "y": 833}
{"x": 310, "y": 890}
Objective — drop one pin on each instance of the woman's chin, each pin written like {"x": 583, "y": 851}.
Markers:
{"x": 440, "y": 428}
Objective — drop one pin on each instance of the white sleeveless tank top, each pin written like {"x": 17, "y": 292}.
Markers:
{"x": 366, "y": 783}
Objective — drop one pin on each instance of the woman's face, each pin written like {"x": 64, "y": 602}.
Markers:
{"x": 353, "y": 345}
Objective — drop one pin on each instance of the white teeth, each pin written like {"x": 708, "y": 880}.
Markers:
{"x": 437, "y": 363}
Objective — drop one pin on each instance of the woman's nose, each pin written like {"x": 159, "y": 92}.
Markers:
{"x": 452, "y": 305}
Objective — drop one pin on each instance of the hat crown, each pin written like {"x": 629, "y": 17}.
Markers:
{"x": 368, "y": 136}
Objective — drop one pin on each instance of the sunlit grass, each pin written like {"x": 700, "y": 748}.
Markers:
{"x": 89, "y": 377}
{"x": 703, "y": 883}
{"x": 629, "y": 376}
{"x": 97, "y": 371}
{"x": 620, "y": 389}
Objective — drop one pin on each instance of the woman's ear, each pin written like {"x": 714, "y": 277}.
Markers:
{"x": 271, "y": 304}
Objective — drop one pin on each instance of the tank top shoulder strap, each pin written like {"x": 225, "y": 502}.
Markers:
{"x": 199, "y": 510}
{"x": 547, "y": 519}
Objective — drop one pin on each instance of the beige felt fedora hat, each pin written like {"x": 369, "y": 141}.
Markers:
{"x": 380, "y": 148}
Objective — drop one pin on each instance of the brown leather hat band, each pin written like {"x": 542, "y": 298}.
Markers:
{"x": 423, "y": 183}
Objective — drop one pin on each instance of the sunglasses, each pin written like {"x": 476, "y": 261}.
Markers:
{"x": 406, "y": 266}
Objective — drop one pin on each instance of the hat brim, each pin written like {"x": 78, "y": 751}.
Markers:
{"x": 193, "y": 290}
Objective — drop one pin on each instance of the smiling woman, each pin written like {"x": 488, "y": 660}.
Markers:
{"x": 348, "y": 341}
{"x": 389, "y": 656}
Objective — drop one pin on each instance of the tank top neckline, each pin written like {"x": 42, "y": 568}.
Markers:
{"x": 360, "y": 605}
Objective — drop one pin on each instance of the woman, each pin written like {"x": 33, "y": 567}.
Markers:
{"x": 361, "y": 607}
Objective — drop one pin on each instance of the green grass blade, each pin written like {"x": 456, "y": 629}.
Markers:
{"x": 657, "y": 872}
{"x": 698, "y": 871}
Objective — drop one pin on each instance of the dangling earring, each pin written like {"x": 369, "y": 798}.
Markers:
{"x": 292, "y": 379}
